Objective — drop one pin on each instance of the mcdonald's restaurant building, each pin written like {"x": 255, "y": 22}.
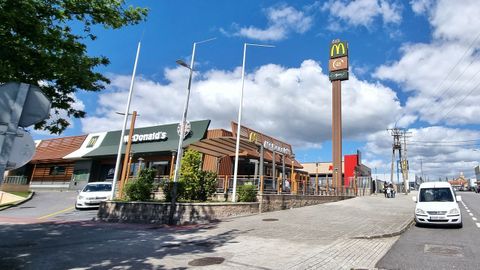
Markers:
{"x": 72, "y": 162}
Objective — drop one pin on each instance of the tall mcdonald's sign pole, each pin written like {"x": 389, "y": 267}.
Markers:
{"x": 338, "y": 67}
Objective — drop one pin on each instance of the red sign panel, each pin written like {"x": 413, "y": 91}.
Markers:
{"x": 337, "y": 64}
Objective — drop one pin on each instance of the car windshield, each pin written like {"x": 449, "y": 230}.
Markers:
{"x": 436, "y": 195}
{"x": 97, "y": 187}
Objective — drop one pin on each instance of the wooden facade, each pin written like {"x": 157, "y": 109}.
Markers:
{"x": 52, "y": 172}
{"x": 221, "y": 144}
{"x": 48, "y": 163}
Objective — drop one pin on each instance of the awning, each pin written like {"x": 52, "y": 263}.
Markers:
{"x": 150, "y": 140}
{"x": 225, "y": 146}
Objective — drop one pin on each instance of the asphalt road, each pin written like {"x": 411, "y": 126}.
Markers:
{"x": 440, "y": 247}
{"x": 47, "y": 206}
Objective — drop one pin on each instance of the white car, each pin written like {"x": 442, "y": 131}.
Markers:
{"x": 92, "y": 194}
{"x": 437, "y": 204}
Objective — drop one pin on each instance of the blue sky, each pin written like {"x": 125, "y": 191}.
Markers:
{"x": 403, "y": 71}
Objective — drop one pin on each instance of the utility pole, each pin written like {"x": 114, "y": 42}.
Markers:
{"x": 404, "y": 162}
{"x": 396, "y": 146}
{"x": 421, "y": 169}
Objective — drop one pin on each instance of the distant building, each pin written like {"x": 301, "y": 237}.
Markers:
{"x": 350, "y": 166}
{"x": 459, "y": 183}
{"x": 477, "y": 175}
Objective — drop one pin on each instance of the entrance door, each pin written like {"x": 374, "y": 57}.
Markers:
{"x": 79, "y": 179}
{"x": 162, "y": 168}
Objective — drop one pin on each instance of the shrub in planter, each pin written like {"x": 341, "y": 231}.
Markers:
{"x": 141, "y": 188}
{"x": 247, "y": 193}
{"x": 167, "y": 187}
{"x": 198, "y": 185}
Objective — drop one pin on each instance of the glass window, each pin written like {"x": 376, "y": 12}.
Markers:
{"x": 97, "y": 187}
{"x": 92, "y": 141}
{"x": 436, "y": 195}
{"x": 57, "y": 170}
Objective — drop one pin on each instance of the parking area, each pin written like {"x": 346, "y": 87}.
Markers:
{"x": 47, "y": 206}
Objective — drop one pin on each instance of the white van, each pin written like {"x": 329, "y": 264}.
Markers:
{"x": 437, "y": 204}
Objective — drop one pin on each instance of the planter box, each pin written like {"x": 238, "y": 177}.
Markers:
{"x": 201, "y": 213}
{"x": 186, "y": 213}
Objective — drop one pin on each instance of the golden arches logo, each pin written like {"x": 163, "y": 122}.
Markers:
{"x": 338, "y": 49}
{"x": 252, "y": 137}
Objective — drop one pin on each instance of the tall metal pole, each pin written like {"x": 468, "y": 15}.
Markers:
{"x": 178, "y": 163}
{"x": 181, "y": 136}
{"x": 127, "y": 109}
{"x": 184, "y": 119}
{"x": 283, "y": 172}
{"x": 239, "y": 122}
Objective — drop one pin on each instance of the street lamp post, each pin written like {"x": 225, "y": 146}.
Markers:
{"x": 182, "y": 125}
{"x": 185, "y": 110}
{"x": 237, "y": 145}
{"x": 127, "y": 109}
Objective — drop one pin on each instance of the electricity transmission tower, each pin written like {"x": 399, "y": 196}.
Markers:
{"x": 398, "y": 134}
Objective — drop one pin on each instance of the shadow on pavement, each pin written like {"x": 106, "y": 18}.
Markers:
{"x": 95, "y": 245}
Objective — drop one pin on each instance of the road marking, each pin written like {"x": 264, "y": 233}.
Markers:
{"x": 56, "y": 213}
{"x": 468, "y": 211}
{"x": 470, "y": 214}
{"x": 478, "y": 224}
{"x": 474, "y": 218}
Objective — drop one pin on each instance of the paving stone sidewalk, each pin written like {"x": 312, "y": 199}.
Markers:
{"x": 354, "y": 233}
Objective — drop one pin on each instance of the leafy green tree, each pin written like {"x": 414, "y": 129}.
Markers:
{"x": 196, "y": 184}
{"x": 42, "y": 43}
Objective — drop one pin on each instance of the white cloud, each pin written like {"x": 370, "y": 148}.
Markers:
{"x": 293, "y": 104}
{"x": 442, "y": 76}
{"x": 282, "y": 21}
{"x": 362, "y": 12}
{"x": 439, "y": 151}
{"x": 421, "y": 6}
{"x": 454, "y": 20}
{"x": 441, "y": 79}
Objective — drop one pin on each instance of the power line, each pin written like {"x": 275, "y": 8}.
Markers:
{"x": 453, "y": 68}
{"x": 473, "y": 140}
{"x": 460, "y": 101}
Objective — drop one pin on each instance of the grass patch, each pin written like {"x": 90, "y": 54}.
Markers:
{"x": 23, "y": 194}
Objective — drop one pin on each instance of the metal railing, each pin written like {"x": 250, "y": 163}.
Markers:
{"x": 16, "y": 180}
{"x": 359, "y": 187}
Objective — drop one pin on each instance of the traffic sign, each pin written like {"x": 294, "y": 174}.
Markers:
{"x": 21, "y": 105}
{"x": 35, "y": 108}
{"x": 22, "y": 151}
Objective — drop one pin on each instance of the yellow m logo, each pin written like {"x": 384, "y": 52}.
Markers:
{"x": 252, "y": 137}
{"x": 338, "y": 49}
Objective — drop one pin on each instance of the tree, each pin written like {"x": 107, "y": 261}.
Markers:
{"x": 42, "y": 43}
{"x": 196, "y": 184}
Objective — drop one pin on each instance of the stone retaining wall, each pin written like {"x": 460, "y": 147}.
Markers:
{"x": 273, "y": 202}
{"x": 186, "y": 213}
{"x": 200, "y": 213}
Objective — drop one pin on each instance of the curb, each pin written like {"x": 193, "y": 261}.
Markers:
{"x": 386, "y": 235}
{"x": 18, "y": 202}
